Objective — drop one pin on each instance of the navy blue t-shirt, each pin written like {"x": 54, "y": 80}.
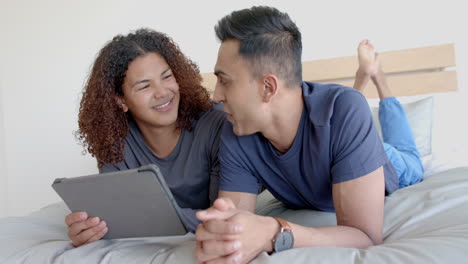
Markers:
{"x": 336, "y": 141}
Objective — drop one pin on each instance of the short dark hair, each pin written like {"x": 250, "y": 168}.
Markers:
{"x": 270, "y": 41}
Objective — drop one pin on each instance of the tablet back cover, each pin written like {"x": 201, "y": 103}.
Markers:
{"x": 134, "y": 203}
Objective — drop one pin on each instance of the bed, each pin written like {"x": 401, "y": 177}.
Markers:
{"x": 424, "y": 223}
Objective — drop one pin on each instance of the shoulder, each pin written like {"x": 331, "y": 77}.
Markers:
{"x": 324, "y": 101}
{"x": 242, "y": 145}
{"x": 325, "y": 96}
{"x": 208, "y": 127}
{"x": 211, "y": 118}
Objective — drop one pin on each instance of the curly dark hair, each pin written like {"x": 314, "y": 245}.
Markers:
{"x": 102, "y": 124}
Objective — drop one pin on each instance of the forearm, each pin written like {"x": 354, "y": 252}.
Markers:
{"x": 324, "y": 236}
{"x": 330, "y": 236}
{"x": 242, "y": 201}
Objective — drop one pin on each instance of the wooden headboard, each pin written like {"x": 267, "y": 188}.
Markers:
{"x": 409, "y": 71}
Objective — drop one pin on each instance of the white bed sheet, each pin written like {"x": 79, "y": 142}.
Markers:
{"x": 425, "y": 223}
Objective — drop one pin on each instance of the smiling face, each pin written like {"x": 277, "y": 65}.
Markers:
{"x": 151, "y": 92}
{"x": 238, "y": 90}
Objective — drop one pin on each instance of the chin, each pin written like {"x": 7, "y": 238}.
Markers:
{"x": 240, "y": 132}
{"x": 237, "y": 133}
{"x": 236, "y": 130}
{"x": 168, "y": 121}
{"x": 171, "y": 122}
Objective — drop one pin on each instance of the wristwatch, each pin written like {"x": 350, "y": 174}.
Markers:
{"x": 284, "y": 239}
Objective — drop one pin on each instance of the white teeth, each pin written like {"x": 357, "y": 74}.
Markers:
{"x": 162, "y": 106}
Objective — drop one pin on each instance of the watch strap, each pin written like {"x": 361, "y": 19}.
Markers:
{"x": 284, "y": 225}
{"x": 285, "y": 228}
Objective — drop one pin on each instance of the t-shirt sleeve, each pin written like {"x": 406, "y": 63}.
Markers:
{"x": 189, "y": 219}
{"x": 357, "y": 149}
{"x": 235, "y": 173}
{"x": 125, "y": 164}
{"x": 215, "y": 138}
{"x": 108, "y": 167}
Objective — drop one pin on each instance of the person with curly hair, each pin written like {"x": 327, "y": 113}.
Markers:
{"x": 143, "y": 103}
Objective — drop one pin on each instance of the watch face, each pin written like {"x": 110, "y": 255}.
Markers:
{"x": 283, "y": 241}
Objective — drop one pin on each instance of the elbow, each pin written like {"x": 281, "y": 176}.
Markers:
{"x": 376, "y": 237}
{"x": 369, "y": 243}
{"x": 375, "y": 240}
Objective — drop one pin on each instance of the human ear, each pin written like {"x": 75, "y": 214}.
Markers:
{"x": 269, "y": 87}
{"x": 121, "y": 103}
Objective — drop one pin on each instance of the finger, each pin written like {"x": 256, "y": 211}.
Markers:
{"x": 213, "y": 213}
{"x": 223, "y": 227}
{"x": 224, "y": 204}
{"x": 75, "y": 217}
{"x": 234, "y": 258}
{"x": 201, "y": 257}
{"x": 78, "y": 227}
{"x": 87, "y": 234}
{"x": 219, "y": 248}
{"x": 203, "y": 234}
{"x": 98, "y": 235}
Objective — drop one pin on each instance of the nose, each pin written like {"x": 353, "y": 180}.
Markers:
{"x": 158, "y": 90}
{"x": 218, "y": 95}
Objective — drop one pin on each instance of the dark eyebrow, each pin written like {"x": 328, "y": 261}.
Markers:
{"x": 140, "y": 81}
{"x": 166, "y": 70}
{"x": 219, "y": 72}
{"x": 147, "y": 80}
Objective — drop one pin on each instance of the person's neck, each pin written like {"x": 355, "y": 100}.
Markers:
{"x": 285, "y": 119}
{"x": 161, "y": 140}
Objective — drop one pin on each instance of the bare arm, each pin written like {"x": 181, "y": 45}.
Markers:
{"x": 359, "y": 206}
{"x": 242, "y": 201}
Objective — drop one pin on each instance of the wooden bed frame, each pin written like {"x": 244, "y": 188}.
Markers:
{"x": 409, "y": 71}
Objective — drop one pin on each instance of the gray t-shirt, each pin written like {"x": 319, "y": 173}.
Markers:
{"x": 191, "y": 170}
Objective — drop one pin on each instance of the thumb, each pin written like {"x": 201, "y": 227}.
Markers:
{"x": 214, "y": 214}
{"x": 224, "y": 204}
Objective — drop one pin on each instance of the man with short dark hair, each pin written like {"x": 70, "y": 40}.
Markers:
{"x": 311, "y": 145}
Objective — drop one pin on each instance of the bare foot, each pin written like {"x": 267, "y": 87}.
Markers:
{"x": 370, "y": 67}
{"x": 369, "y": 62}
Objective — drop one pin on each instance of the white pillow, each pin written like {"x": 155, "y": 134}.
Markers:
{"x": 419, "y": 111}
{"x": 449, "y": 140}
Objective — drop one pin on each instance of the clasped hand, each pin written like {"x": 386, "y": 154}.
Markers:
{"x": 230, "y": 235}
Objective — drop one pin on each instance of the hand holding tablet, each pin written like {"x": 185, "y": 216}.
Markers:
{"x": 133, "y": 203}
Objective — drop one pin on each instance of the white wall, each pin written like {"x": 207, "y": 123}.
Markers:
{"x": 3, "y": 175}
{"x": 48, "y": 46}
